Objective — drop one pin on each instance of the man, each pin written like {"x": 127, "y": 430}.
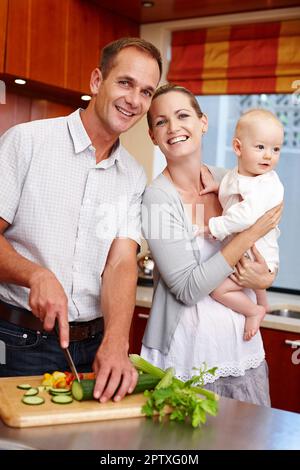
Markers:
{"x": 69, "y": 227}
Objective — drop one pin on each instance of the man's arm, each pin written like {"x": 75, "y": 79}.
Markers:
{"x": 115, "y": 374}
{"x": 47, "y": 299}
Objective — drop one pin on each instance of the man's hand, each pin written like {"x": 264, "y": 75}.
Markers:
{"x": 49, "y": 302}
{"x": 116, "y": 376}
{"x": 253, "y": 274}
{"x": 209, "y": 184}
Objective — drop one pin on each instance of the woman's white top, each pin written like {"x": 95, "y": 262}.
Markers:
{"x": 244, "y": 199}
{"x": 209, "y": 332}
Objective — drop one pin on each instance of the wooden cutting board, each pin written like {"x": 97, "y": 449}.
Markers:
{"x": 16, "y": 414}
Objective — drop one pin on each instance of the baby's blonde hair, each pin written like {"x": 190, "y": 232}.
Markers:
{"x": 253, "y": 114}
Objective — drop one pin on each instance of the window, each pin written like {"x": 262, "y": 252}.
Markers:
{"x": 223, "y": 112}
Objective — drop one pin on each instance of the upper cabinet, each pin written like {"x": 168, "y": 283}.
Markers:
{"x": 3, "y": 21}
{"x": 58, "y": 42}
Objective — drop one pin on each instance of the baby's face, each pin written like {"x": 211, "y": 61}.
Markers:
{"x": 260, "y": 145}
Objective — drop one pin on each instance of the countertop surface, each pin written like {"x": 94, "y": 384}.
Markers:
{"x": 237, "y": 426}
{"x": 276, "y": 300}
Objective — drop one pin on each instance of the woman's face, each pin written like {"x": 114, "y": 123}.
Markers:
{"x": 176, "y": 127}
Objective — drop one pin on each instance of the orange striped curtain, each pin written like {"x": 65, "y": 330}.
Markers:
{"x": 254, "y": 58}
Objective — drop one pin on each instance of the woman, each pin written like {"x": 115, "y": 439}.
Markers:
{"x": 186, "y": 326}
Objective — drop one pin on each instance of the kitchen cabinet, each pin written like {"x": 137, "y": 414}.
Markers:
{"x": 139, "y": 321}
{"x": 283, "y": 357}
{"x": 20, "y": 108}
{"x": 282, "y": 354}
{"x": 58, "y": 42}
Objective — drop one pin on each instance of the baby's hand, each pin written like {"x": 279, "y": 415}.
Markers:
{"x": 208, "y": 182}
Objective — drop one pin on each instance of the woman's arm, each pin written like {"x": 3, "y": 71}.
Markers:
{"x": 188, "y": 279}
{"x": 173, "y": 250}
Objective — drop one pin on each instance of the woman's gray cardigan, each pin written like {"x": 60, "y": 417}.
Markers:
{"x": 181, "y": 278}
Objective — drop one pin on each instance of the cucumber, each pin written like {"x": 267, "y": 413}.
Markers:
{"x": 58, "y": 391}
{"x": 33, "y": 400}
{"x": 84, "y": 389}
{"x": 24, "y": 386}
{"x": 62, "y": 399}
{"x": 145, "y": 382}
{"x": 31, "y": 392}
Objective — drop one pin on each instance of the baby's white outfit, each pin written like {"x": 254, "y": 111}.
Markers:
{"x": 244, "y": 199}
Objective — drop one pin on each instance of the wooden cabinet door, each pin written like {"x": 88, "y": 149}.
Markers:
{"x": 58, "y": 42}
{"x": 283, "y": 357}
{"x": 140, "y": 317}
{"x": 36, "y": 40}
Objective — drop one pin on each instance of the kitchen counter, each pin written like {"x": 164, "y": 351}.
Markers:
{"x": 276, "y": 300}
{"x": 237, "y": 426}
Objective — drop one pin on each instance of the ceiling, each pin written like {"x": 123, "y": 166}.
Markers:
{"x": 165, "y": 10}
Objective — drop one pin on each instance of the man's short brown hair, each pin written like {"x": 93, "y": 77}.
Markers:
{"x": 112, "y": 49}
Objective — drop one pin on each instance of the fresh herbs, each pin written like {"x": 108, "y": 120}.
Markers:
{"x": 186, "y": 399}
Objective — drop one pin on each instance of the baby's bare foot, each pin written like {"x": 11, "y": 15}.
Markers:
{"x": 252, "y": 324}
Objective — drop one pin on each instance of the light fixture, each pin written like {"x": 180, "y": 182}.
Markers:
{"x": 148, "y": 4}
{"x": 86, "y": 98}
{"x": 20, "y": 81}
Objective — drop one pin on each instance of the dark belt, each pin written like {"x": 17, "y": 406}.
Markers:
{"x": 25, "y": 319}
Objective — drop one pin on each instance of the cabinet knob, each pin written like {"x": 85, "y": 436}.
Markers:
{"x": 292, "y": 343}
{"x": 143, "y": 315}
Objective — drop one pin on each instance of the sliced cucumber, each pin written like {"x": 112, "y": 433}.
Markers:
{"x": 69, "y": 393}
{"x": 24, "y": 386}
{"x": 59, "y": 391}
{"x": 33, "y": 400}
{"x": 31, "y": 392}
{"x": 62, "y": 399}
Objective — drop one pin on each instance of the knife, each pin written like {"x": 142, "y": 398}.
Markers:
{"x": 67, "y": 354}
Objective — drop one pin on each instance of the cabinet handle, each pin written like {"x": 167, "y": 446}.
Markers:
{"x": 146, "y": 316}
{"x": 292, "y": 343}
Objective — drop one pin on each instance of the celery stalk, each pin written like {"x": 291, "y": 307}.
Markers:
{"x": 148, "y": 368}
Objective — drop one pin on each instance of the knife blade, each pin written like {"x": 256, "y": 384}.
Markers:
{"x": 71, "y": 363}
{"x": 67, "y": 354}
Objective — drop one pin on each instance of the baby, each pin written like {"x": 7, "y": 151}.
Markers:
{"x": 246, "y": 193}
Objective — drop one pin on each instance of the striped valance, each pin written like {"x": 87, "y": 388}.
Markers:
{"x": 253, "y": 58}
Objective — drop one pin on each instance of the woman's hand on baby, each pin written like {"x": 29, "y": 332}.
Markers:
{"x": 253, "y": 274}
{"x": 266, "y": 222}
{"x": 209, "y": 184}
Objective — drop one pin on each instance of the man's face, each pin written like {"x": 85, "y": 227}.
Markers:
{"x": 124, "y": 96}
